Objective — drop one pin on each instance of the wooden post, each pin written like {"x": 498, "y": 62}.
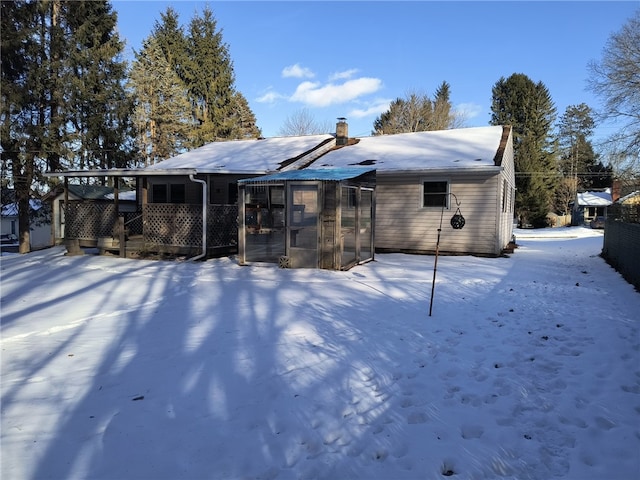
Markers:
{"x": 122, "y": 237}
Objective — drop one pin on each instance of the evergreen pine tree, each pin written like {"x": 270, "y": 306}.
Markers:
{"x": 102, "y": 110}
{"x": 162, "y": 112}
{"x": 528, "y": 108}
{"x": 209, "y": 78}
{"x": 202, "y": 62}
{"x": 442, "y": 115}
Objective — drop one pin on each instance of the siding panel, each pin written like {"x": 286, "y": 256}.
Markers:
{"x": 402, "y": 224}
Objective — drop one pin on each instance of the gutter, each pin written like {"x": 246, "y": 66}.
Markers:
{"x": 121, "y": 172}
{"x": 486, "y": 170}
{"x": 204, "y": 218}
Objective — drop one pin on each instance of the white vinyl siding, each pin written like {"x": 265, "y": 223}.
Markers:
{"x": 403, "y": 225}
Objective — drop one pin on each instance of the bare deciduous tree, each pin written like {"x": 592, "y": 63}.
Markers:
{"x": 302, "y": 122}
{"x": 616, "y": 80}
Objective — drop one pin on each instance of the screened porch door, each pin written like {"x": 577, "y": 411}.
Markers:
{"x": 302, "y": 225}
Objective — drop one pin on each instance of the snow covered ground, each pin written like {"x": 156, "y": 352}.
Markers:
{"x": 529, "y": 367}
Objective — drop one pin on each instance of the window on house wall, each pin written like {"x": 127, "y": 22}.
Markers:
{"x": 435, "y": 194}
{"x": 159, "y": 193}
{"x": 505, "y": 200}
{"x": 177, "y": 193}
{"x": 232, "y": 194}
{"x": 168, "y": 193}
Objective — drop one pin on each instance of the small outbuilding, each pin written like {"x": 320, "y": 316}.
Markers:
{"x": 590, "y": 205}
{"x": 312, "y": 218}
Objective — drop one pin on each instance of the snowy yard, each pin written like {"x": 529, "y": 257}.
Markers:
{"x": 529, "y": 367}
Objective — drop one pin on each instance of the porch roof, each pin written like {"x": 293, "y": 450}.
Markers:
{"x": 329, "y": 174}
{"x": 122, "y": 172}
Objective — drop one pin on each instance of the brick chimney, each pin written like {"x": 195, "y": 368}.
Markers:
{"x": 342, "y": 131}
{"x": 615, "y": 190}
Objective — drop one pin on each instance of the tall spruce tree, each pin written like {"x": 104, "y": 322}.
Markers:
{"x": 528, "y": 108}
{"x": 18, "y": 31}
{"x": 162, "y": 113}
{"x": 201, "y": 60}
{"x": 40, "y": 97}
{"x": 210, "y": 78}
{"x": 442, "y": 115}
{"x": 170, "y": 36}
{"x": 102, "y": 113}
{"x": 577, "y": 157}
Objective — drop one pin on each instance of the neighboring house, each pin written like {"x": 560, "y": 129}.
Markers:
{"x": 39, "y": 236}
{"x": 423, "y": 179}
{"x": 631, "y": 199}
{"x": 589, "y": 205}
{"x": 188, "y": 204}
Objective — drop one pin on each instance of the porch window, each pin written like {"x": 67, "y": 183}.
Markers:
{"x": 159, "y": 193}
{"x": 168, "y": 193}
{"x": 435, "y": 194}
{"x": 232, "y": 194}
{"x": 177, "y": 193}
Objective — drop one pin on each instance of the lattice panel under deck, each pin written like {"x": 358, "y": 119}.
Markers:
{"x": 222, "y": 225}
{"x": 89, "y": 220}
{"x": 172, "y": 224}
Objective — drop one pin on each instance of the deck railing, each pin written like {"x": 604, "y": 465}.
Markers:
{"x": 160, "y": 224}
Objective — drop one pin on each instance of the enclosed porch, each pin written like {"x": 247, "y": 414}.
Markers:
{"x": 173, "y": 215}
{"x": 320, "y": 218}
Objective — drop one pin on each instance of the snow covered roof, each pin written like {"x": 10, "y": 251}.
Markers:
{"x": 99, "y": 192}
{"x": 11, "y": 209}
{"x": 335, "y": 174}
{"x": 629, "y": 197}
{"x": 463, "y": 148}
{"x": 595, "y": 199}
{"x": 238, "y": 156}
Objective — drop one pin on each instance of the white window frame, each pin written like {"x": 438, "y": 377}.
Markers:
{"x": 447, "y": 195}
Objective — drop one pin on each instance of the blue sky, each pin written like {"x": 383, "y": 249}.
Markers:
{"x": 350, "y": 59}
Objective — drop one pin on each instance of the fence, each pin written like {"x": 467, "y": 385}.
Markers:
{"x": 622, "y": 241}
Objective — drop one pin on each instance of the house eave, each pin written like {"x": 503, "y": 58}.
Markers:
{"x": 140, "y": 172}
{"x": 489, "y": 171}
{"x": 121, "y": 172}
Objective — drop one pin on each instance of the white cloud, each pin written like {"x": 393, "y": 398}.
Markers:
{"x": 297, "y": 71}
{"x": 270, "y": 97}
{"x": 375, "y": 108}
{"x": 317, "y": 95}
{"x": 343, "y": 75}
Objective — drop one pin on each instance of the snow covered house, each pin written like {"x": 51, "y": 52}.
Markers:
{"x": 423, "y": 179}
{"x": 589, "y": 205}
{"x": 420, "y": 179}
{"x": 187, "y": 204}
{"x": 632, "y": 198}
{"x": 40, "y": 234}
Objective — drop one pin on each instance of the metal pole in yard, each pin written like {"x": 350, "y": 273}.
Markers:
{"x": 457, "y": 222}
{"x": 435, "y": 263}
